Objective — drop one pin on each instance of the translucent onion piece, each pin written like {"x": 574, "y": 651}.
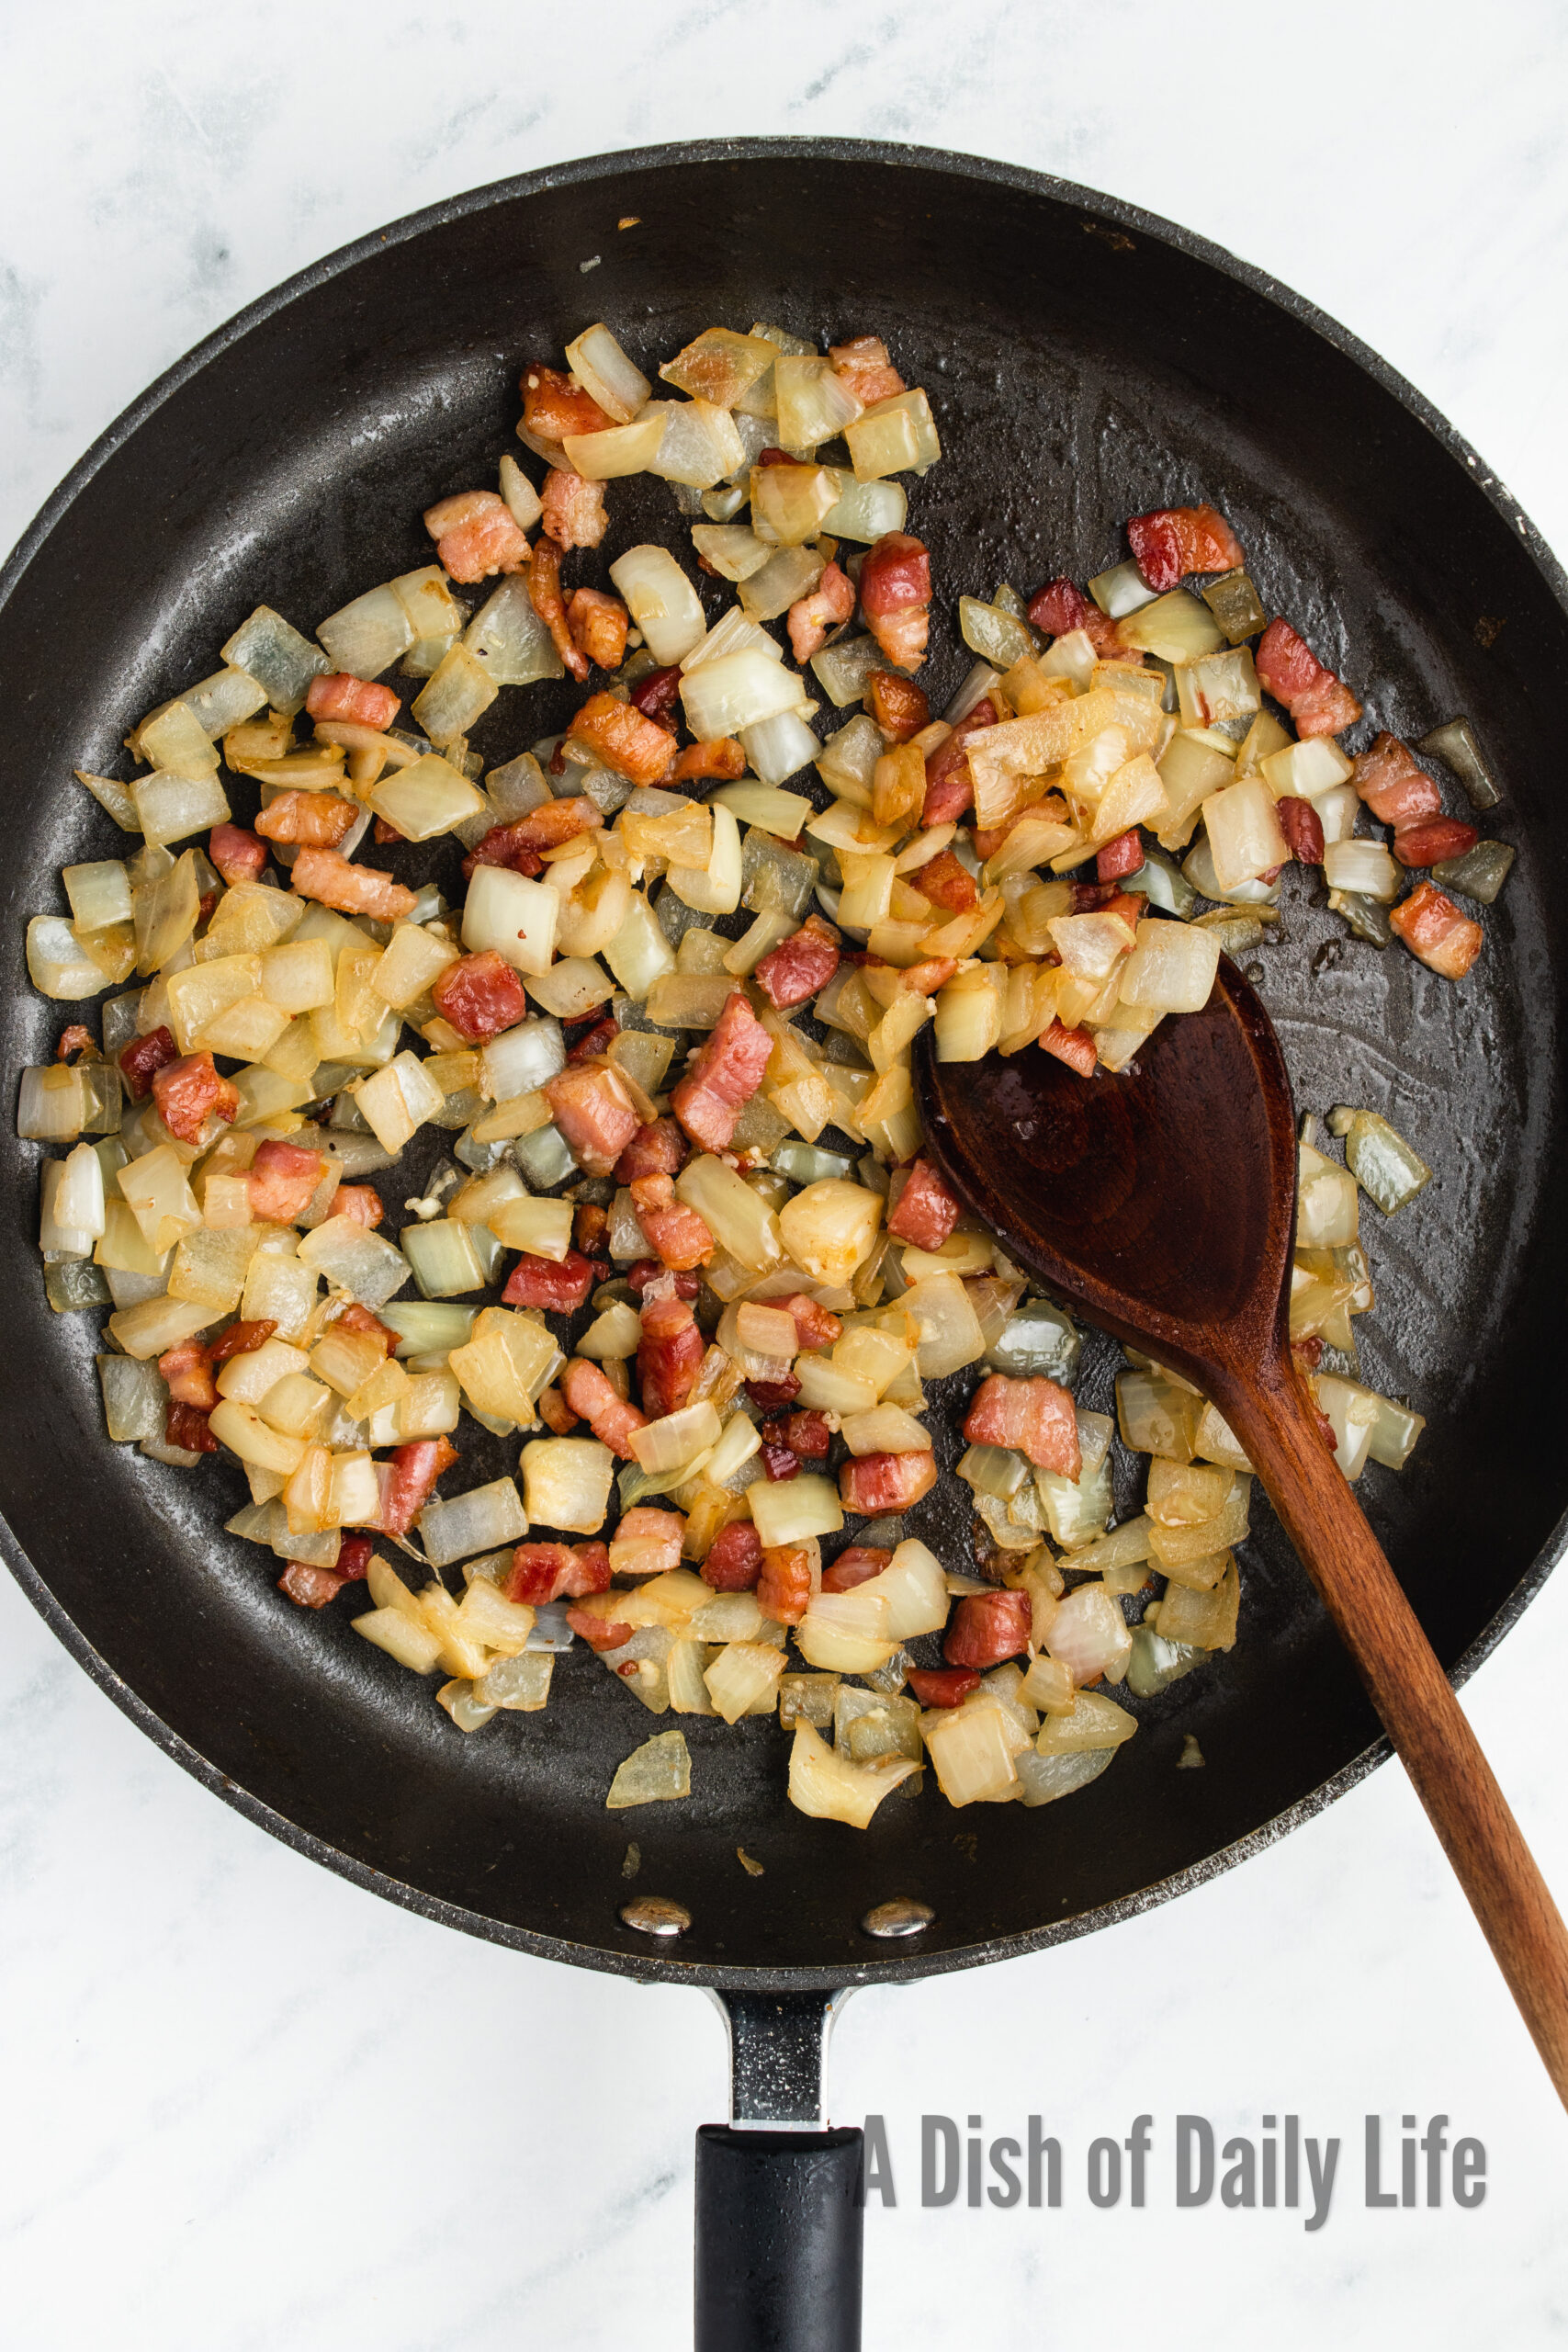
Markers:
{"x": 662, "y": 601}
{"x": 657, "y": 1771}
{"x": 480, "y": 1520}
{"x": 972, "y": 1748}
{"x": 1045, "y": 1778}
{"x": 743, "y": 1679}
{"x": 1390, "y": 1171}
{"x": 368, "y": 634}
{"x": 512, "y": 916}
{"x": 738, "y": 690}
{"x": 513, "y": 647}
{"x": 275, "y": 654}
{"x": 607, "y": 375}
{"x": 779, "y": 747}
{"x": 795, "y": 1509}
{"x": 830, "y": 1787}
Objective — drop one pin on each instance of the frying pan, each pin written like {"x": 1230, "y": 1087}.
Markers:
{"x": 1085, "y": 362}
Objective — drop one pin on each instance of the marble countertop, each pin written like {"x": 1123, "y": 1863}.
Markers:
{"x": 251, "y": 2106}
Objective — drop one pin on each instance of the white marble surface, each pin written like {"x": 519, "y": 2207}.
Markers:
{"x": 249, "y": 2106}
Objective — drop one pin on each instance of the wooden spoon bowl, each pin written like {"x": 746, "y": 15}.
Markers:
{"x": 1161, "y": 1203}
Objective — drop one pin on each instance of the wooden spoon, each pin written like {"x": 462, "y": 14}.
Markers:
{"x": 1162, "y": 1202}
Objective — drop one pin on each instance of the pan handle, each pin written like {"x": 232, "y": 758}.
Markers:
{"x": 780, "y": 2212}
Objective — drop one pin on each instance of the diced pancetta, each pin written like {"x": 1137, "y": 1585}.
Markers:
{"x": 1320, "y": 703}
{"x": 1436, "y": 932}
{"x": 480, "y": 996}
{"x": 726, "y": 1074}
{"x": 668, "y": 1357}
{"x": 1171, "y": 541}
{"x": 921, "y": 1208}
{"x": 190, "y": 1091}
{"x": 591, "y": 1109}
{"x": 560, "y": 1288}
{"x": 1035, "y": 1418}
{"x": 875, "y": 1483}
{"x": 340, "y": 695}
{"x": 988, "y": 1627}
{"x": 799, "y": 965}
{"x": 335, "y": 881}
{"x": 590, "y": 1393}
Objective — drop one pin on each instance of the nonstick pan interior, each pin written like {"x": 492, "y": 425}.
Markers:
{"x": 1083, "y": 363}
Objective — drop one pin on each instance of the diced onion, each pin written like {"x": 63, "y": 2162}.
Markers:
{"x": 662, "y": 601}
{"x": 794, "y": 1509}
{"x": 738, "y": 690}
{"x": 831, "y": 1788}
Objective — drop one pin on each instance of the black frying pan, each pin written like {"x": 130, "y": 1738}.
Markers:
{"x": 1085, "y": 362}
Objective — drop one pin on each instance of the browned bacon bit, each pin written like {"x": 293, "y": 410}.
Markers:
{"x": 863, "y": 364}
{"x": 778, "y": 1463}
{"x": 1433, "y": 838}
{"x": 773, "y": 1396}
{"x": 480, "y": 996}
{"x": 668, "y": 1357}
{"x": 681, "y": 1237}
{"x": 560, "y": 1288}
{"x": 551, "y": 1572}
{"x": 1074, "y": 1046}
{"x": 1060, "y": 607}
{"x": 408, "y": 1480}
{"x": 337, "y": 882}
{"x": 545, "y": 595}
{"x": 897, "y": 705}
{"x": 241, "y": 1340}
{"x": 634, "y": 746}
{"x": 384, "y": 835}
{"x": 1308, "y": 1353}
{"x": 589, "y": 1226}
{"x": 186, "y": 1426}
{"x": 599, "y": 1632}
{"x": 783, "y": 1587}
{"x": 656, "y": 695}
{"x": 657, "y": 1149}
{"x": 808, "y": 1435}
{"x": 1394, "y": 789}
{"x": 726, "y": 1074}
{"x": 354, "y": 1557}
{"x": 590, "y": 1392}
{"x": 986, "y": 1627}
{"x": 942, "y": 1686}
{"x": 312, "y": 1587}
{"x": 574, "y": 513}
{"x": 875, "y": 1483}
{"x": 811, "y": 616}
{"x": 1174, "y": 540}
{"x": 1035, "y": 1418}
{"x": 556, "y": 1413}
{"x": 238, "y": 854}
{"x": 554, "y": 405}
{"x": 1089, "y": 897}
{"x": 1302, "y": 828}
{"x": 947, "y": 882}
{"x": 856, "y": 1564}
{"x": 75, "y": 1040}
{"x": 317, "y": 818}
{"x": 596, "y": 1039}
{"x": 144, "y": 1057}
{"x": 340, "y": 695}
{"x": 814, "y": 1326}
{"x": 476, "y": 533}
{"x": 186, "y": 1372}
{"x": 931, "y": 973}
{"x": 1320, "y": 703}
{"x": 598, "y": 624}
{"x": 799, "y": 965}
{"x": 281, "y": 1178}
{"x": 949, "y": 787}
{"x": 189, "y": 1092}
{"x": 723, "y": 758}
{"x": 590, "y": 1108}
{"x": 896, "y": 594}
{"x": 778, "y": 458}
{"x": 1436, "y": 932}
{"x": 643, "y": 1271}
{"x": 1121, "y": 857}
{"x": 921, "y": 1208}
{"x": 735, "y": 1559}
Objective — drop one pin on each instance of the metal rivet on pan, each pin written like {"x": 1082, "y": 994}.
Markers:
{"x": 655, "y": 1915}
{"x": 900, "y": 1917}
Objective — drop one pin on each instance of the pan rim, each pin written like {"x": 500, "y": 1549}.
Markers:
{"x": 1102, "y": 211}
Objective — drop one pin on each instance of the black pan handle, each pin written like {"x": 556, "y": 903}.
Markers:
{"x": 780, "y": 2210}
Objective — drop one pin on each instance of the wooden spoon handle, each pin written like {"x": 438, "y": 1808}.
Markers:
{"x": 1276, "y": 1426}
